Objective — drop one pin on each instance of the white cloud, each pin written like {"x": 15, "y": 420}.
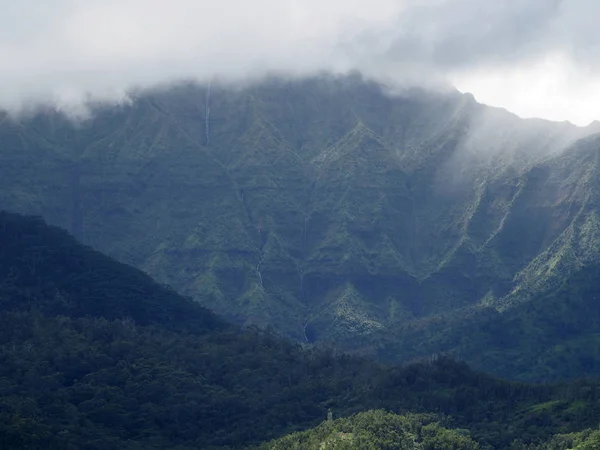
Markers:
{"x": 552, "y": 87}
{"x": 536, "y": 57}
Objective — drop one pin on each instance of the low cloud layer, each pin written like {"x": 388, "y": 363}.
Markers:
{"x": 536, "y": 57}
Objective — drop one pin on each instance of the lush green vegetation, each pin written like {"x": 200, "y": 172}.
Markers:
{"x": 407, "y": 225}
{"x": 47, "y": 270}
{"x": 378, "y": 430}
{"x": 586, "y": 440}
{"x": 95, "y": 355}
{"x": 551, "y": 337}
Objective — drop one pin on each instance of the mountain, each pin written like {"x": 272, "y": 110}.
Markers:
{"x": 94, "y": 354}
{"x": 332, "y": 208}
{"x": 50, "y": 270}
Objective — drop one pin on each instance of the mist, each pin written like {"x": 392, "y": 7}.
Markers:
{"x": 536, "y": 58}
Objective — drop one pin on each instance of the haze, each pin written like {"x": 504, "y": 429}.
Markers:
{"x": 537, "y": 58}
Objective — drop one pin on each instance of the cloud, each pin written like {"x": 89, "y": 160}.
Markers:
{"x": 67, "y": 51}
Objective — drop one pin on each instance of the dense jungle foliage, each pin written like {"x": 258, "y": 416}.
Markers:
{"x": 96, "y": 355}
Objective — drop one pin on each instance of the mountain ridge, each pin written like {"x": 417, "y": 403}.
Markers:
{"x": 325, "y": 206}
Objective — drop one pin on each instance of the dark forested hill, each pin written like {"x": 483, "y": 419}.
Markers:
{"x": 95, "y": 355}
{"x": 46, "y": 269}
{"x": 332, "y": 208}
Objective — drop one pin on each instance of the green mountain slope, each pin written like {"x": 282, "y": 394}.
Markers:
{"x": 329, "y": 207}
{"x": 95, "y": 355}
{"x": 553, "y": 336}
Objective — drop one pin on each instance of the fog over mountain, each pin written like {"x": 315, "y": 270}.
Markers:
{"x": 537, "y": 58}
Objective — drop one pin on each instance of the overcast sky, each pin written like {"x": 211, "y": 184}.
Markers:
{"x": 538, "y": 58}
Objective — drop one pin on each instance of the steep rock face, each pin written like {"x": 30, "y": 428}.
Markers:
{"x": 328, "y": 207}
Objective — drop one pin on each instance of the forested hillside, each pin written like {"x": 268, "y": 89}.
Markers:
{"x": 336, "y": 209}
{"x": 553, "y": 336}
{"x": 375, "y": 430}
{"x": 95, "y": 355}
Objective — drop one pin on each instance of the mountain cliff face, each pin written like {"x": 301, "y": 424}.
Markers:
{"x": 331, "y": 208}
